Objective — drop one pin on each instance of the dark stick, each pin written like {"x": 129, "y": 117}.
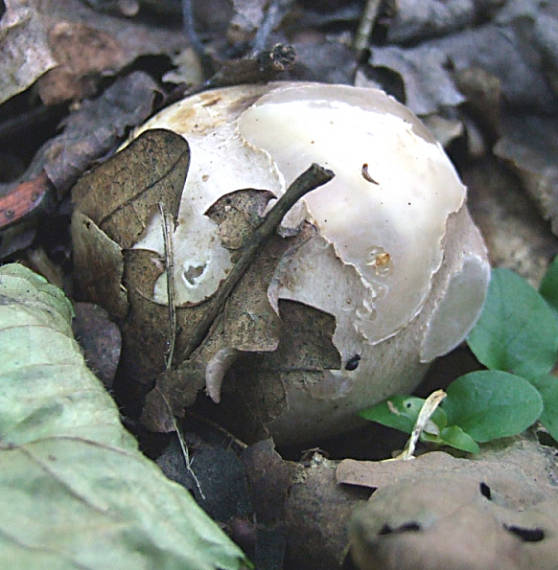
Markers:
{"x": 309, "y": 180}
{"x": 194, "y": 39}
{"x": 273, "y": 15}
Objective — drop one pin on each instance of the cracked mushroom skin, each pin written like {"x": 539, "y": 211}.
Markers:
{"x": 395, "y": 257}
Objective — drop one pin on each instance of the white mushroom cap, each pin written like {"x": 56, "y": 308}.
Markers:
{"x": 385, "y": 211}
{"x": 382, "y": 224}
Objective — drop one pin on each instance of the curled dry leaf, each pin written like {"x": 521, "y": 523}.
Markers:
{"x": 109, "y": 219}
{"x": 89, "y": 133}
{"x": 437, "y": 511}
{"x": 428, "y": 84}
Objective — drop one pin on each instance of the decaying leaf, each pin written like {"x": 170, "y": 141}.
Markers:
{"x": 442, "y": 512}
{"x": 529, "y": 142}
{"x": 75, "y": 45}
{"x": 128, "y": 189}
{"x": 305, "y": 349}
{"x": 419, "y": 20}
{"x": 94, "y": 129}
{"x": 115, "y": 203}
{"x": 516, "y": 236}
{"x": 134, "y": 182}
{"x": 79, "y": 492}
{"x": 248, "y": 321}
{"x": 100, "y": 340}
{"x": 24, "y": 48}
{"x": 83, "y": 53}
{"x": 428, "y": 84}
{"x": 98, "y": 265}
{"x": 507, "y": 49}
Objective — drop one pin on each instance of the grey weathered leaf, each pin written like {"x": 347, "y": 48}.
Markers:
{"x": 24, "y": 50}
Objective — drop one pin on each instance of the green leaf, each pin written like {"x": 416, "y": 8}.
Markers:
{"x": 455, "y": 437}
{"x": 74, "y": 489}
{"x": 547, "y": 385}
{"x": 401, "y": 412}
{"x": 549, "y": 285}
{"x": 517, "y": 331}
{"x": 452, "y": 436}
{"x": 490, "y": 404}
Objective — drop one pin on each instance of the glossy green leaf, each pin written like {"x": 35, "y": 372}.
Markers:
{"x": 401, "y": 412}
{"x": 491, "y": 404}
{"x": 517, "y": 331}
{"x": 74, "y": 489}
{"x": 549, "y": 285}
{"x": 547, "y": 385}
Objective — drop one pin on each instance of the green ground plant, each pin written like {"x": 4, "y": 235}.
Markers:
{"x": 516, "y": 339}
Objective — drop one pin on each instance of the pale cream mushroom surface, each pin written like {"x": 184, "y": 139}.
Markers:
{"x": 396, "y": 258}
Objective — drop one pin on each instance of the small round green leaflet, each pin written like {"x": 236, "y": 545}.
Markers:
{"x": 455, "y": 437}
{"x": 401, "y": 412}
{"x": 517, "y": 331}
{"x": 491, "y": 404}
{"x": 459, "y": 439}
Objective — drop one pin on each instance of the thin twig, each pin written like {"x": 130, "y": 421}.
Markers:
{"x": 182, "y": 443}
{"x": 194, "y": 39}
{"x": 273, "y": 16}
{"x": 186, "y": 455}
{"x": 309, "y": 180}
{"x": 168, "y": 228}
{"x": 365, "y": 26}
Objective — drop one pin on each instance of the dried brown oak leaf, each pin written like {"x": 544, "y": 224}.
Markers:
{"x": 247, "y": 324}
{"x": 114, "y": 205}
